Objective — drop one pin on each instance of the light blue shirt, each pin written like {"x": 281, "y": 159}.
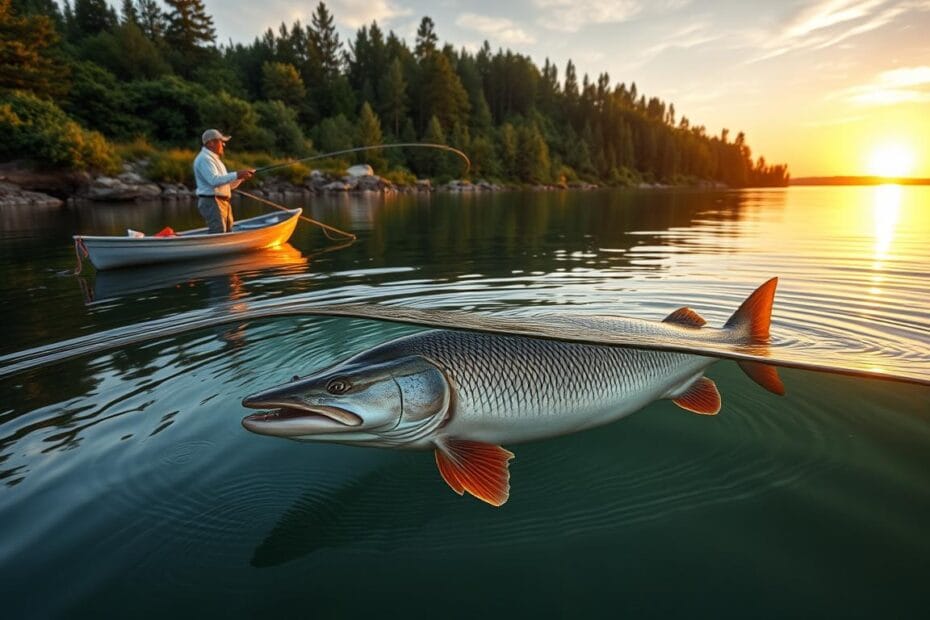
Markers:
{"x": 211, "y": 175}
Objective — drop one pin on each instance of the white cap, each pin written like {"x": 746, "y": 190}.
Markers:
{"x": 214, "y": 134}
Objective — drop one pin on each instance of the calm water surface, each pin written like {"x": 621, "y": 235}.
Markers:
{"x": 129, "y": 486}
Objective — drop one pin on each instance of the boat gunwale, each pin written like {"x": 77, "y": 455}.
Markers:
{"x": 186, "y": 235}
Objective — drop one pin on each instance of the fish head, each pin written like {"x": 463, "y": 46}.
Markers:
{"x": 357, "y": 401}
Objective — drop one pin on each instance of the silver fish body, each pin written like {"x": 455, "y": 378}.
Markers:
{"x": 464, "y": 394}
{"x": 510, "y": 389}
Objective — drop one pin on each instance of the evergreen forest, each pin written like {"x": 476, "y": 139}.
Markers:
{"x": 79, "y": 79}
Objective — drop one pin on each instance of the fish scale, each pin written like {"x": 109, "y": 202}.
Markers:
{"x": 503, "y": 381}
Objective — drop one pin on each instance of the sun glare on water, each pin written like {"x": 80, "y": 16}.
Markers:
{"x": 891, "y": 160}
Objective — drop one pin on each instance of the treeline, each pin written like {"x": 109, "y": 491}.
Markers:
{"x": 155, "y": 70}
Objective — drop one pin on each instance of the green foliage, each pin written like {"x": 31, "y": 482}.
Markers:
{"x": 369, "y": 134}
{"x": 334, "y": 134}
{"x": 532, "y": 157}
{"x": 25, "y": 58}
{"x": 171, "y": 108}
{"x": 189, "y": 27}
{"x": 237, "y": 118}
{"x": 281, "y": 122}
{"x": 92, "y": 17}
{"x": 432, "y": 162}
{"x": 138, "y": 148}
{"x": 282, "y": 82}
{"x": 172, "y": 166}
{"x": 39, "y": 131}
{"x": 400, "y": 177}
{"x": 100, "y": 102}
{"x": 125, "y": 52}
{"x": 515, "y": 119}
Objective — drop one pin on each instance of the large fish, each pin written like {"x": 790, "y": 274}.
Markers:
{"x": 463, "y": 394}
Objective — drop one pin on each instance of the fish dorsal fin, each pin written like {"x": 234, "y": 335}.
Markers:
{"x": 685, "y": 316}
{"x": 701, "y": 397}
{"x": 752, "y": 319}
{"x": 764, "y": 375}
{"x": 479, "y": 468}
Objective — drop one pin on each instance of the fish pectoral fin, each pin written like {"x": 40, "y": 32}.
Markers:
{"x": 764, "y": 375}
{"x": 685, "y": 316}
{"x": 479, "y": 468}
{"x": 701, "y": 397}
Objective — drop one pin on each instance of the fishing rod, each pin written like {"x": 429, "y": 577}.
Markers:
{"x": 359, "y": 149}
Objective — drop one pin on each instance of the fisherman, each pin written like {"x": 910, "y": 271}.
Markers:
{"x": 214, "y": 183}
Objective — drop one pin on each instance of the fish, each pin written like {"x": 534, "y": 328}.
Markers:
{"x": 465, "y": 394}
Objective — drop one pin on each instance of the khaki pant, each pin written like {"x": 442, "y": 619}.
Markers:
{"x": 217, "y": 212}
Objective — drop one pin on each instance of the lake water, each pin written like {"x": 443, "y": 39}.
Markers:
{"x": 130, "y": 487}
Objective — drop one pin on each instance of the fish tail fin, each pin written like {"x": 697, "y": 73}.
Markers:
{"x": 750, "y": 325}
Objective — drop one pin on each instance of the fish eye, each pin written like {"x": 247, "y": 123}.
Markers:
{"x": 295, "y": 378}
{"x": 338, "y": 386}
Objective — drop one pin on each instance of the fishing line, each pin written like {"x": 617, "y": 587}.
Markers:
{"x": 359, "y": 149}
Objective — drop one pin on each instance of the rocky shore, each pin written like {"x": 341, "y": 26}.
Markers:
{"x": 22, "y": 186}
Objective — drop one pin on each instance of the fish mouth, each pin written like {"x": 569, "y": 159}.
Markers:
{"x": 288, "y": 418}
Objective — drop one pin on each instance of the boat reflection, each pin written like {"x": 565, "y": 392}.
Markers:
{"x": 109, "y": 285}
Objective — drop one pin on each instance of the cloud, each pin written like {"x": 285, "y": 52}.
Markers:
{"x": 357, "y": 13}
{"x": 831, "y": 22}
{"x": 573, "y": 15}
{"x": 902, "y": 85}
{"x": 498, "y": 29}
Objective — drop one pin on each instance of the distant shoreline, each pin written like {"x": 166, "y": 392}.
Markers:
{"x": 857, "y": 180}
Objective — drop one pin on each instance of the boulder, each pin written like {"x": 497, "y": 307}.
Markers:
{"x": 360, "y": 170}
{"x": 106, "y": 189}
{"x": 11, "y": 195}
{"x": 336, "y": 186}
{"x": 424, "y": 185}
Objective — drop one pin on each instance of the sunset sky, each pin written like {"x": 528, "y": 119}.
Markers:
{"x": 829, "y": 86}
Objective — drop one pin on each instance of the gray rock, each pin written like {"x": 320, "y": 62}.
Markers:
{"x": 336, "y": 186}
{"x": 11, "y": 195}
{"x": 360, "y": 170}
{"x": 108, "y": 188}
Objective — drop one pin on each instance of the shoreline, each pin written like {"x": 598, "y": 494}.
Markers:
{"x": 23, "y": 186}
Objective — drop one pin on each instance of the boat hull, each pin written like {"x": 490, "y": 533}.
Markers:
{"x": 256, "y": 233}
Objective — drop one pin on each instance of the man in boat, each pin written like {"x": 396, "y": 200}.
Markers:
{"x": 214, "y": 183}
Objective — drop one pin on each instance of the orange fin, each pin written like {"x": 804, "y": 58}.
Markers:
{"x": 764, "y": 375}
{"x": 479, "y": 468}
{"x": 702, "y": 397}
{"x": 685, "y": 316}
{"x": 753, "y": 317}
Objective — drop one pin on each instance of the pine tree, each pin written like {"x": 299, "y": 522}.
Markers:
{"x": 394, "y": 96}
{"x": 25, "y": 61}
{"x": 92, "y": 17}
{"x": 190, "y": 28}
{"x": 426, "y": 39}
{"x": 325, "y": 47}
{"x": 128, "y": 13}
{"x": 152, "y": 20}
{"x": 281, "y": 82}
{"x": 369, "y": 134}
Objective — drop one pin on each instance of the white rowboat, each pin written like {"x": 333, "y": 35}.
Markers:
{"x": 264, "y": 231}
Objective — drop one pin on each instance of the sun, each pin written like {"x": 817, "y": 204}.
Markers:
{"x": 891, "y": 160}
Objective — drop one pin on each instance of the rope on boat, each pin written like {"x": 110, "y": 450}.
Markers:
{"x": 79, "y": 249}
{"x": 327, "y": 229}
{"x": 406, "y": 145}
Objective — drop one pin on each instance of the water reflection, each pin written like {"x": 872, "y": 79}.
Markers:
{"x": 885, "y": 212}
{"x": 113, "y": 284}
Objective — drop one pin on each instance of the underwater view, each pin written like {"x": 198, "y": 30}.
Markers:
{"x": 130, "y": 486}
